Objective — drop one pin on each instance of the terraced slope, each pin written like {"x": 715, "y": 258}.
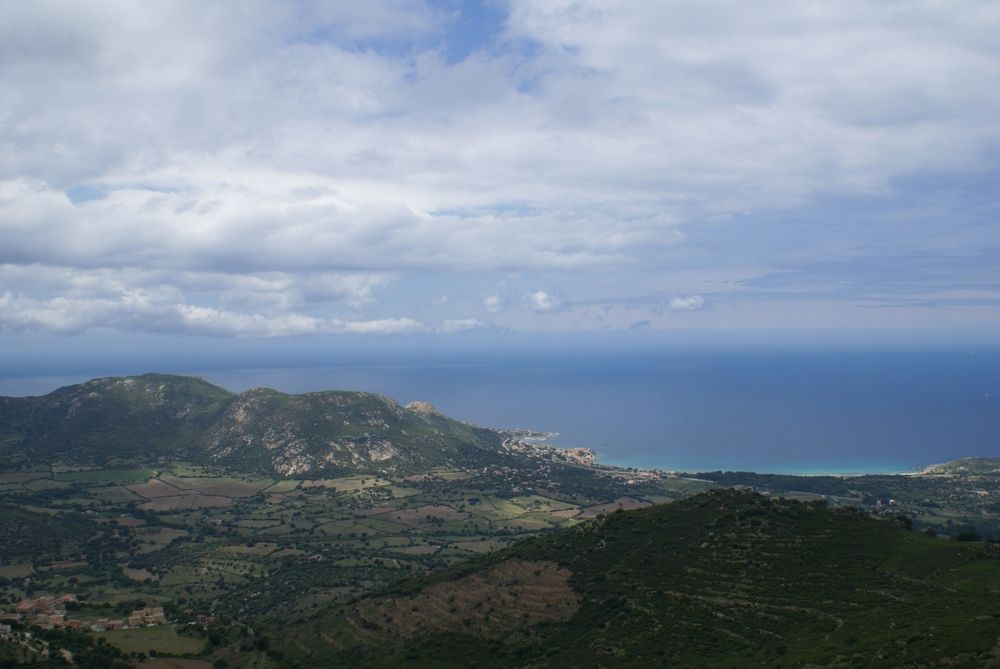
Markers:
{"x": 722, "y": 579}
{"x": 140, "y": 419}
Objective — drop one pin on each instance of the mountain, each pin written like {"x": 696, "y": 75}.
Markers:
{"x": 726, "y": 578}
{"x": 109, "y": 419}
{"x": 139, "y": 419}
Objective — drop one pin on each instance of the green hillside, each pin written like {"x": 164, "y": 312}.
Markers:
{"x": 109, "y": 419}
{"x": 340, "y": 432}
{"x": 144, "y": 419}
{"x": 722, "y": 579}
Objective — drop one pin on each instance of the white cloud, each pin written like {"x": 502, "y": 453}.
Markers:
{"x": 293, "y": 160}
{"x": 493, "y": 303}
{"x": 260, "y": 226}
{"x": 687, "y": 303}
{"x": 145, "y": 312}
{"x": 355, "y": 290}
{"x": 461, "y": 325}
{"x": 380, "y": 326}
{"x": 540, "y": 300}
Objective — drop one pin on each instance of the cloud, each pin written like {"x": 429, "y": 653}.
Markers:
{"x": 461, "y": 325}
{"x": 687, "y": 303}
{"x": 381, "y": 326}
{"x": 493, "y": 303}
{"x": 540, "y": 300}
{"x": 148, "y": 312}
{"x": 264, "y": 226}
{"x": 274, "y": 167}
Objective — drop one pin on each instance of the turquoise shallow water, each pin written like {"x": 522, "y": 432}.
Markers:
{"x": 768, "y": 411}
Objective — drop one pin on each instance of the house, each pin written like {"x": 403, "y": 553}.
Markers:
{"x": 147, "y": 616}
{"x": 48, "y": 620}
{"x": 45, "y": 604}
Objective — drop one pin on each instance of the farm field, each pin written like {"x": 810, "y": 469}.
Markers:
{"x": 233, "y": 557}
{"x": 188, "y": 534}
{"x": 159, "y": 639}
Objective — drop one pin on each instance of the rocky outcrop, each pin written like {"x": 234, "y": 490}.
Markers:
{"x": 424, "y": 408}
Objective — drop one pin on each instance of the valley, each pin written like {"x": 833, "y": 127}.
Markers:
{"x": 238, "y": 564}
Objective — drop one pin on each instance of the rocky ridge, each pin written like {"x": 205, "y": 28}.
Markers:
{"x": 114, "y": 420}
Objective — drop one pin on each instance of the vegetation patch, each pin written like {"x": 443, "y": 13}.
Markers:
{"x": 481, "y": 546}
{"x": 112, "y": 494}
{"x": 260, "y": 550}
{"x": 620, "y": 504}
{"x": 155, "y": 538}
{"x": 173, "y": 663}
{"x": 138, "y": 574}
{"x": 16, "y": 570}
{"x": 287, "y": 485}
{"x": 155, "y": 488}
{"x": 429, "y": 513}
{"x": 722, "y": 579}
{"x": 345, "y": 484}
{"x": 22, "y": 477}
{"x": 186, "y": 503}
{"x": 226, "y": 487}
{"x": 513, "y": 595}
{"x": 159, "y": 638}
{"x": 113, "y": 475}
{"x": 257, "y": 523}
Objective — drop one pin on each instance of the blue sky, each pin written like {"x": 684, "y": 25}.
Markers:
{"x": 279, "y": 172}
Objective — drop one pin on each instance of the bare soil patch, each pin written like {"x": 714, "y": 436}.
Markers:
{"x": 138, "y": 574}
{"x": 224, "y": 487}
{"x": 155, "y": 488}
{"x": 21, "y": 477}
{"x": 514, "y": 595}
{"x": 624, "y": 503}
{"x": 416, "y": 550}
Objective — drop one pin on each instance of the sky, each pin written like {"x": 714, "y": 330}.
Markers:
{"x": 196, "y": 174}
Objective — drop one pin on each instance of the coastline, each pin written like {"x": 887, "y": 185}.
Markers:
{"x": 603, "y": 459}
{"x": 850, "y": 471}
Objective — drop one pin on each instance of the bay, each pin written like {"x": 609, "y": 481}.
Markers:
{"x": 845, "y": 411}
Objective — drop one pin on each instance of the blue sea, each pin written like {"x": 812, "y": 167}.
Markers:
{"x": 846, "y": 411}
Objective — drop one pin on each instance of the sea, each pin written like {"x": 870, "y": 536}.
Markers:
{"x": 778, "y": 411}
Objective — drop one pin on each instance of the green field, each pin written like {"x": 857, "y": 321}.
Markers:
{"x": 113, "y": 475}
{"x": 161, "y": 638}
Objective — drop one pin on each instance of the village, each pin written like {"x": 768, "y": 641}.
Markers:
{"x": 51, "y": 613}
